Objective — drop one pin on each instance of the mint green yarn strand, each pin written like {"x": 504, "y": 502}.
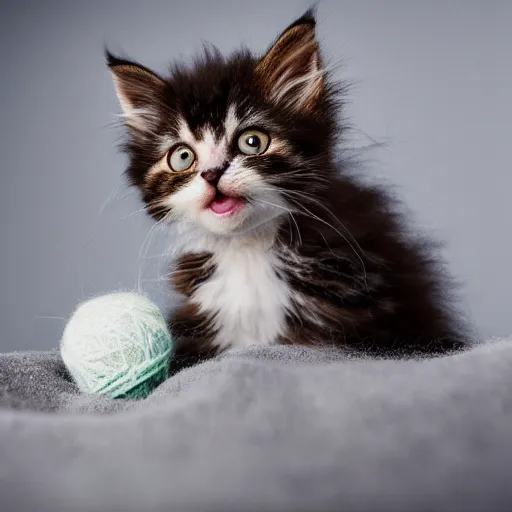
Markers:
{"x": 120, "y": 386}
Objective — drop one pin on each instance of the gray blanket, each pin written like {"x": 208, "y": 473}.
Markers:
{"x": 264, "y": 429}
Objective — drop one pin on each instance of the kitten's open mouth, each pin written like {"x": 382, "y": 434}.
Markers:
{"x": 226, "y": 205}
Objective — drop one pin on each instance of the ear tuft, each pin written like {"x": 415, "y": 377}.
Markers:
{"x": 139, "y": 91}
{"x": 308, "y": 18}
{"x": 291, "y": 72}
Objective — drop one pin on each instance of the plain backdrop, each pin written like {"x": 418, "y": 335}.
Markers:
{"x": 432, "y": 81}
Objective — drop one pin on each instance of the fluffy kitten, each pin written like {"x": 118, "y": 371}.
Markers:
{"x": 274, "y": 242}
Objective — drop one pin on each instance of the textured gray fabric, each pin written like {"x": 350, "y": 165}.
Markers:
{"x": 264, "y": 429}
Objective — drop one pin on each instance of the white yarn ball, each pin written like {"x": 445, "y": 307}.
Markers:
{"x": 117, "y": 344}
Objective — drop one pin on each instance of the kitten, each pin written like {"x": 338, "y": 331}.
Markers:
{"x": 274, "y": 242}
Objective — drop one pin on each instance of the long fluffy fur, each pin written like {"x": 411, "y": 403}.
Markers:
{"x": 333, "y": 264}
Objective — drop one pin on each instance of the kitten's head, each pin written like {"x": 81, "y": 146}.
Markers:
{"x": 230, "y": 144}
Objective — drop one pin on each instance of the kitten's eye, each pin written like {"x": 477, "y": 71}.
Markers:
{"x": 181, "y": 158}
{"x": 253, "y": 142}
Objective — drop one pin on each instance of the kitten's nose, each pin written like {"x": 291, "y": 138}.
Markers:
{"x": 213, "y": 175}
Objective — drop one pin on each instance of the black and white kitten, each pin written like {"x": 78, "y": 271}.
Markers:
{"x": 274, "y": 242}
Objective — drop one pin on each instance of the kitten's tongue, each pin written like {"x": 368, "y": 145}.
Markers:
{"x": 224, "y": 204}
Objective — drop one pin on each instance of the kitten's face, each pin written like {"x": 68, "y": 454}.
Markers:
{"x": 217, "y": 173}
{"x": 229, "y": 144}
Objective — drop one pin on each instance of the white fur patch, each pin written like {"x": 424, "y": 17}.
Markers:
{"x": 231, "y": 123}
{"x": 190, "y": 200}
{"x": 249, "y": 300}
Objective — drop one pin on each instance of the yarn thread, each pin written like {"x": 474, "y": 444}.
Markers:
{"x": 117, "y": 345}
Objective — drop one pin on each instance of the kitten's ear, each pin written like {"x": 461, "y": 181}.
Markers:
{"x": 140, "y": 93}
{"x": 291, "y": 72}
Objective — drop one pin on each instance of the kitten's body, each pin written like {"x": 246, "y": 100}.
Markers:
{"x": 274, "y": 243}
{"x": 363, "y": 285}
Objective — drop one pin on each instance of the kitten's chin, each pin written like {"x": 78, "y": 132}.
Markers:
{"x": 225, "y": 217}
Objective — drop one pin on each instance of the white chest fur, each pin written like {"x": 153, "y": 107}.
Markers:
{"x": 249, "y": 299}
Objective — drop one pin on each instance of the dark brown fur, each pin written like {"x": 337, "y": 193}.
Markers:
{"x": 388, "y": 295}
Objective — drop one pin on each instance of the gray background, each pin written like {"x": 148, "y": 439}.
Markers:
{"x": 433, "y": 80}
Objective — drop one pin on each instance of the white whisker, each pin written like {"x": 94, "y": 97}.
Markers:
{"x": 145, "y": 247}
{"x": 286, "y": 210}
{"x": 50, "y": 318}
{"x": 351, "y": 242}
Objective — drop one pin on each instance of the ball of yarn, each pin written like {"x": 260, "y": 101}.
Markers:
{"x": 117, "y": 345}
